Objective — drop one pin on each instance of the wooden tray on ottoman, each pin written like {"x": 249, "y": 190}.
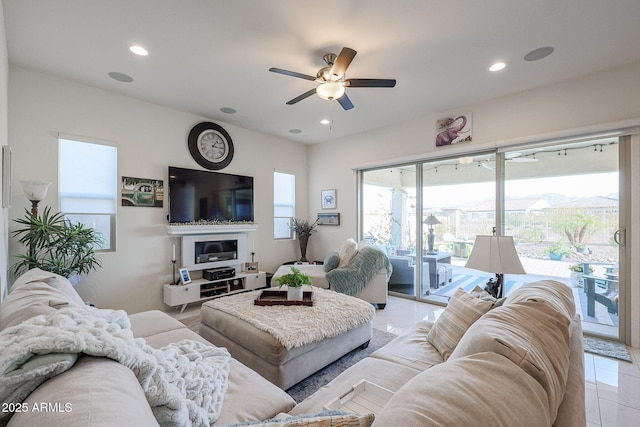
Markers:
{"x": 280, "y": 298}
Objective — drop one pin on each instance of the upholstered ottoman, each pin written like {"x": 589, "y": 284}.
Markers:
{"x": 286, "y": 344}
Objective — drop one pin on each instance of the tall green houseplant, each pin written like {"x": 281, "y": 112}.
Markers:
{"x": 56, "y": 244}
{"x": 303, "y": 230}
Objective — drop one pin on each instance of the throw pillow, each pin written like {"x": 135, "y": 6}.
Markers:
{"x": 333, "y": 418}
{"x": 331, "y": 261}
{"x": 348, "y": 250}
{"x": 463, "y": 310}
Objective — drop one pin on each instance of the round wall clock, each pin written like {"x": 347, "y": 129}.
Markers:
{"x": 210, "y": 145}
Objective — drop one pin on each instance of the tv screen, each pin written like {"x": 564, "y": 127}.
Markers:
{"x": 196, "y": 195}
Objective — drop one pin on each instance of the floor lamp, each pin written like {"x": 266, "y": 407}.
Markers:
{"x": 35, "y": 191}
{"x": 495, "y": 254}
{"x": 431, "y": 220}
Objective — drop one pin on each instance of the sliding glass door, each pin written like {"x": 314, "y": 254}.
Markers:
{"x": 560, "y": 203}
{"x": 562, "y": 206}
{"x": 389, "y": 221}
{"x": 458, "y": 203}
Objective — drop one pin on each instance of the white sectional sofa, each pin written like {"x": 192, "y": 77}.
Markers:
{"x": 520, "y": 363}
{"x": 98, "y": 391}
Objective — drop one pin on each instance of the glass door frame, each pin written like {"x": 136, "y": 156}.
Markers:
{"x": 499, "y": 152}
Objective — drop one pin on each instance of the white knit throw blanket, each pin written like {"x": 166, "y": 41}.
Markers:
{"x": 332, "y": 314}
{"x": 184, "y": 383}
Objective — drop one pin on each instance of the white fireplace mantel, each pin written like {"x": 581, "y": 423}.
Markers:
{"x": 186, "y": 230}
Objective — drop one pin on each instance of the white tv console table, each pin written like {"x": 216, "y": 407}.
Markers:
{"x": 202, "y": 289}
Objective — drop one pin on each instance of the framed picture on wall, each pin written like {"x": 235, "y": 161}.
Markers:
{"x": 142, "y": 192}
{"x": 328, "y": 199}
{"x": 328, "y": 219}
{"x": 453, "y": 130}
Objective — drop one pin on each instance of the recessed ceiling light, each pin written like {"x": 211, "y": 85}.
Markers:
{"x": 228, "y": 110}
{"x": 538, "y": 54}
{"x": 295, "y": 131}
{"x": 139, "y": 50}
{"x": 325, "y": 121}
{"x": 497, "y": 66}
{"x": 121, "y": 77}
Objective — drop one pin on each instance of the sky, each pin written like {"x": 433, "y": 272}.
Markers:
{"x": 602, "y": 184}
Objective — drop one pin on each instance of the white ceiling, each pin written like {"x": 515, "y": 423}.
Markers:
{"x": 209, "y": 54}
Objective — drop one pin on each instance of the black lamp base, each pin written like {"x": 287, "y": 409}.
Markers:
{"x": 430, "y": 241}
{"x": 495, "y": 287}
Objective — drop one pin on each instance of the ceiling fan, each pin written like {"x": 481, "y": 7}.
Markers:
{"x": 332, "y": 79}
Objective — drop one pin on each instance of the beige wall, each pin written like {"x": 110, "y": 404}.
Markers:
{"x": 149, "y": 138}
{"x": 597, "y": 102}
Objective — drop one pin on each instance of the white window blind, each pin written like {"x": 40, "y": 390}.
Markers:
{"x": 284, "y": 204}
{"x": 88, "y": 185}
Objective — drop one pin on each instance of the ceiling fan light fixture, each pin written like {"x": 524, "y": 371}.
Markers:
{"x": 330, "y": 91}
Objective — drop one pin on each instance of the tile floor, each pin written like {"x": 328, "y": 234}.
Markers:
{"x": 612, "y": 386}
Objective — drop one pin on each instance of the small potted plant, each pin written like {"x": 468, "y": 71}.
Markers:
{"x": 295, "y": 281}
{"x": 558, "y": 249}
{"x": 577, "y": 271}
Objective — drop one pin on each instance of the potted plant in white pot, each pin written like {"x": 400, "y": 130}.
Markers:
{"x": 294, "y": 282}
{"x": 57, "y": 245}
{"x": 577, "y": 271}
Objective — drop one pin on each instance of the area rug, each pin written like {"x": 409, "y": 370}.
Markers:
{"x": 606, "y": 348}
{"x": 308, "y": 386}
{"x": 192, "y": 322}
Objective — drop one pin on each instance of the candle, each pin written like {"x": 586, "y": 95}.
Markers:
{"x": 253, "y": 249}
{"x": 174, "y": 253}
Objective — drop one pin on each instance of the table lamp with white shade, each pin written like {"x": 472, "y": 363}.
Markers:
{"x": 495, "y": 254}
{"x": 431, "y": 220}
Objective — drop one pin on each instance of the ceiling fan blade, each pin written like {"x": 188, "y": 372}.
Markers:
{"x": 370, "y": 82}
{"x": 345, "y": 102}
{"x": 291, "y": 73}
{"x": 342, "y": 62}
{"x": 301, "y": 97}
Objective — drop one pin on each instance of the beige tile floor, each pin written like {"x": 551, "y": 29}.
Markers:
{"x": 612, "y": 386}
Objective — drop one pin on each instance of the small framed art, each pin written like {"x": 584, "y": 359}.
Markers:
{"x": 328, "y": 199}
{"x": 328, "y": 219}
{"x": 251, "y": 267}
{"x": 185, "y": 279}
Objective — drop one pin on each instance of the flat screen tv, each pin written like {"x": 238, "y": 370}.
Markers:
{"x": 203, "y": 196}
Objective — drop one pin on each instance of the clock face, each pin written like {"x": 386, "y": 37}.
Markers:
{"x": 210, "y": 145}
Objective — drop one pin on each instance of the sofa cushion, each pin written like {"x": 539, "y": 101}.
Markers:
{"x": 551, "y": 292}
{"x": 411, "y": 349}
{"x": 34, "y": 293}
{"x": 533, "y": 335}
{"x": 153, "y": 322}
{"x": 331, "y": 261}
{"x": 96, "y": 392}
{"x": 251, "y": 397}
{"x": 348, "y": 250}
{"x": 463, "y": 310}
{"x": 480, "y": 390}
